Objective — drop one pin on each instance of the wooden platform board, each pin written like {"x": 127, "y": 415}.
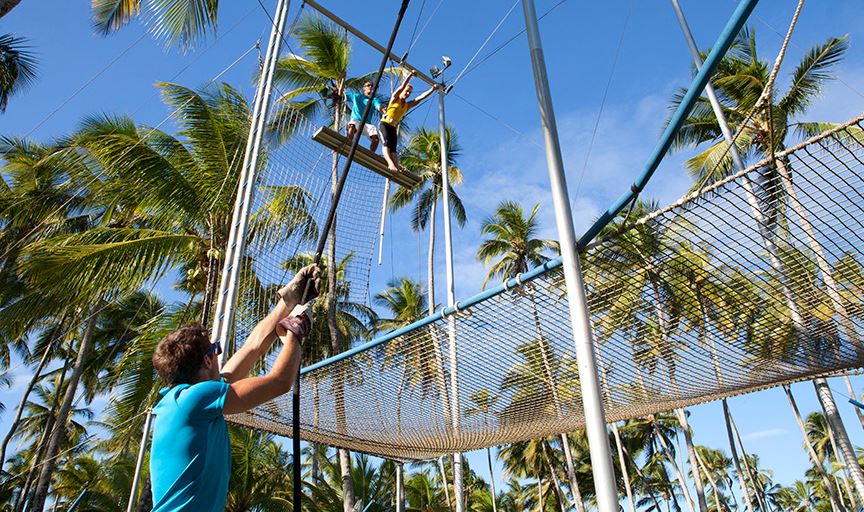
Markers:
{"x": 375, "y": 163}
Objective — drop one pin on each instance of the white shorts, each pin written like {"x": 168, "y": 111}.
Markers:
{"x": 369, "y": 130}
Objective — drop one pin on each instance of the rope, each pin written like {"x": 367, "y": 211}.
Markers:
{"x": 512, "y": 38}
{"x": 435, "y": 11}
{"x": 86, "y": 84}
{"x": 603, "y": 101}
{"x": 766, "y": 94}
{"x": 99, "y": 174}
{"x": 485, "y": 42}
{"x": 416, "y": 23}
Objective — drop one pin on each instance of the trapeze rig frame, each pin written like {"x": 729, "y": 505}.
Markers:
{"x": 368, "y": 40}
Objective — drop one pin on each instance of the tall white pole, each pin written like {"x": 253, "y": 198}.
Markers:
{"x": 145, "y": 436}
{"x": 224, "y": 318}
{"x": 383, "y": 220}
{"x": 595, "y": 422}
{"x": 458, "y": 486}
{"x": 400, "y": 487}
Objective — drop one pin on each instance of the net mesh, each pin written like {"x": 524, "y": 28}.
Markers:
{"x": 750, "y": 283}
{"x": 293, "y": 192}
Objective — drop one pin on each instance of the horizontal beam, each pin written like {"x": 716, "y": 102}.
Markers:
{"x": 366, "y": 39}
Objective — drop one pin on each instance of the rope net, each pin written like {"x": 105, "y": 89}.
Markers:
{"x": 293, "y": 190}
{"x": 750, "y": 283}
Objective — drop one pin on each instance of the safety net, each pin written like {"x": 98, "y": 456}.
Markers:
{"x": 295, "y": 186}
{"x": 752, "y": 282}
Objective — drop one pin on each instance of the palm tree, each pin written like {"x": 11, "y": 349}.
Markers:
{"x": 422, "y": 156}
{"x": 483, "y": 402}
{"x": 17, "y": 67}
{"x": 740, "y": 80}
{"x": 177, "y": 22}
{"x": 514, "y": 245}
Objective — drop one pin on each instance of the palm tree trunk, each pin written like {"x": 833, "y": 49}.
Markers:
{"x": 712, "y": 481}
{"x": 735, "y": 460}
{"x": 18, "y": 413}
{"x": 853, "y": 395}
{"x": 555, "y": 481}
{"x": 694, "y": 463}
{"x": 145, "y": 503}
{"x": 491, "y": 479}
{"x": 835, "y": 501}
{"x": 844, "y": 447}
{"x": 671, "y": 458}
{"x": 58, "y": 435}
{"x": 754, "y": 478}
{"x": 641, "y": 476}
{"x": 40, "y": 447}
{"x": 540, "y": 504}
{"x": 443, "y": 473}
{"x": 625, "y": 476}
{"x": 843, "y": 474}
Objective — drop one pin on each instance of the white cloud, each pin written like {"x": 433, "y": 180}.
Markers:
{"x": 765, "y": 434}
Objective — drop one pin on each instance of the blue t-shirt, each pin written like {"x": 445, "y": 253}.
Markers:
{"x": 190, "y": 462}
{"x": 357, "y": 102}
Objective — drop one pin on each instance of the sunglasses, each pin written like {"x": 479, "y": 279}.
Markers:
{"x": 215, "y": 348}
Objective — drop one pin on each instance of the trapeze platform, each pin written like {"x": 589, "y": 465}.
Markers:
{"x": 340, "y": 144}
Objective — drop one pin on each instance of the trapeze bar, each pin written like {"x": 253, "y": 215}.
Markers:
{"x": 336, "y": 142}
{"x": 366, "y": 39}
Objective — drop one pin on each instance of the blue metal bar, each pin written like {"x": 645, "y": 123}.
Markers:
{"x": 856, "y": 403}
{"x": 462, "y": 304}
{"x": 739, "y": 17}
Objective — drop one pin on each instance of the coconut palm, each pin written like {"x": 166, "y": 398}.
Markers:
{"x": 176, "y": 22}
{"x": 422, "y": 156}
{"x": 482, "y": 403}
{"x": 740, "y": 80}
{"x": 17, "y": 67}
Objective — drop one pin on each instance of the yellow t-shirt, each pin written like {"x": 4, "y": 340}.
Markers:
{"x": 394, "y": 112}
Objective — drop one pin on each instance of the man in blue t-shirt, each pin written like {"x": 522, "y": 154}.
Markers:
{"x": 357, "y": 104}
{"x": 190, "y": 462}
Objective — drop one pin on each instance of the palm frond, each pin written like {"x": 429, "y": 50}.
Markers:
{"x": 104, "y": 261}
{"x": 17, "y": 67}
{"x": 811, "y": 73}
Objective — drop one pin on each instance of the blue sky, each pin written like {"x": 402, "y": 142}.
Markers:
{"x": 82, "y": 74}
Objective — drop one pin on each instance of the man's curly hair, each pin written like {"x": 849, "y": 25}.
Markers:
{"x": 180, "y": 355}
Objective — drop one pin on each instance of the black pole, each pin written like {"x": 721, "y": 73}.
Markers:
{"x": 322, "y": 241}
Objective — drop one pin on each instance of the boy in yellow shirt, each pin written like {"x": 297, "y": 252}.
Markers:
{"x": 393, "y": 114}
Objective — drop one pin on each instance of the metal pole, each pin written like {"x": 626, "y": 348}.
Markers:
{"x": 400, "y": 487}
{"x": 458, "y": 486}
{"x": 145, "y": 436}
{"x": 251, "y": 168}
{"x": 383, "y": 220}
{"x": 595, "y": 423}
{"x": 224, "y": 317}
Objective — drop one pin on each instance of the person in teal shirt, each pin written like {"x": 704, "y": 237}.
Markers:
{"x": 190, "y": 461}
{"x": 356, "y": 105}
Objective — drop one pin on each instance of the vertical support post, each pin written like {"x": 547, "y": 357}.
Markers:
{"x": 458, "y": 486}
{"x": 400, "y": 487}
{"x": 383, "y": 219}
{"x": 145, "y": 437}
{"x": 224, "y": 317}
{"x": 595, "y": 422}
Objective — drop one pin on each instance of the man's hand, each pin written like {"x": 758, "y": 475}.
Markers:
{"x": 292, "y": 293}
